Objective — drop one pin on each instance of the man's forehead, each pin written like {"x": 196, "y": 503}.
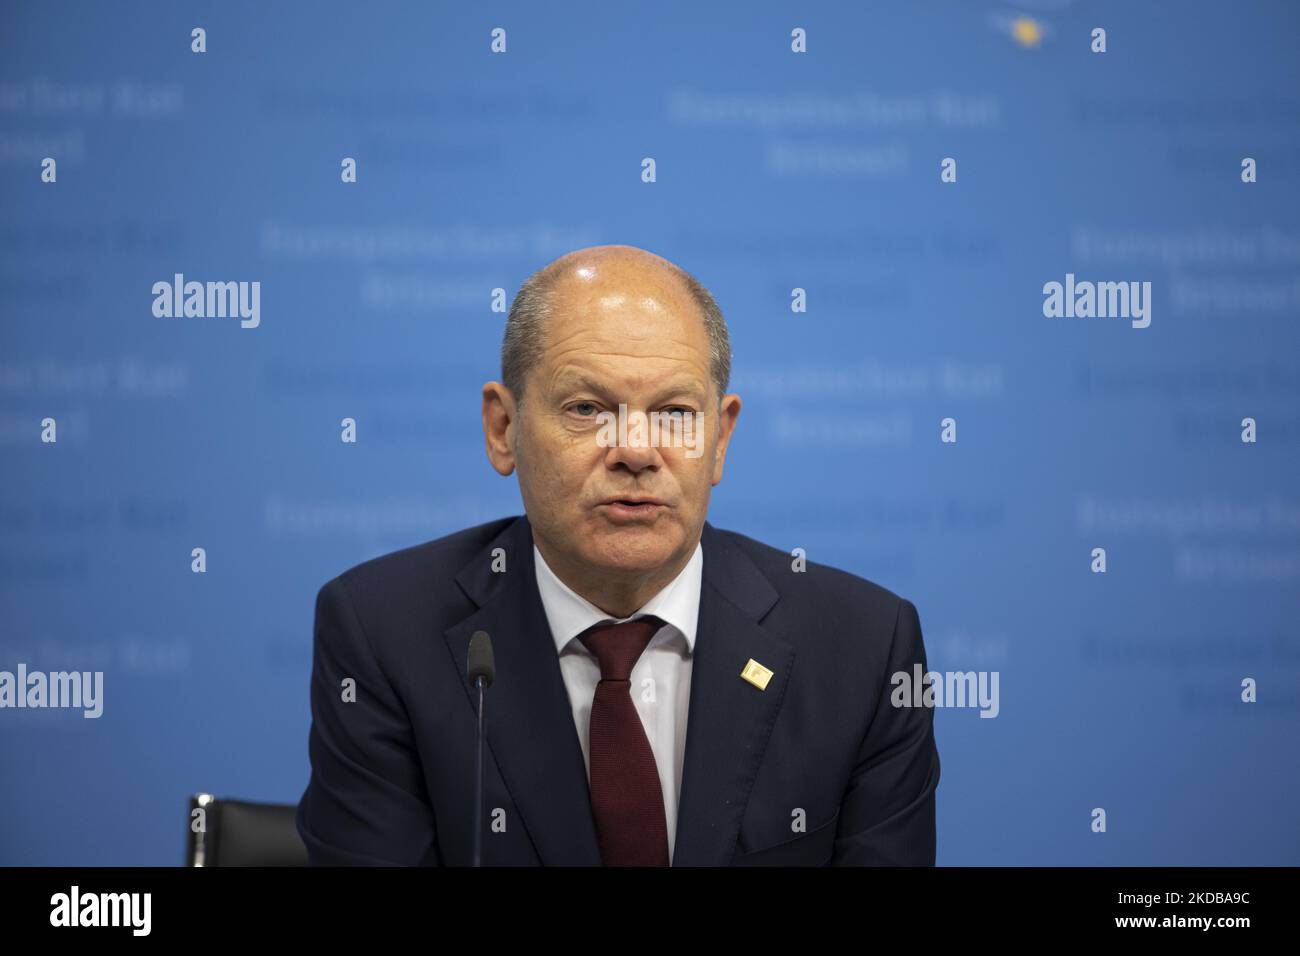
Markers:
{"x": 643, "y": 332}
{"x": 624, "y": 324}
{"x": 578, "y": 373}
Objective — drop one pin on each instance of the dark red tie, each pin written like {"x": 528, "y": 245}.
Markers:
{"x": 627, "y": 798}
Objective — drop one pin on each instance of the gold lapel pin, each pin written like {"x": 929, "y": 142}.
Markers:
{"x": 756, "y": 674}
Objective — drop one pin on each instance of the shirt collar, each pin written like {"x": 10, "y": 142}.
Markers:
{"x": 569, "y": 613}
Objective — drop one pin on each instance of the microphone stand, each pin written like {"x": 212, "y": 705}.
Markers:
{"x": 478, "y": 780}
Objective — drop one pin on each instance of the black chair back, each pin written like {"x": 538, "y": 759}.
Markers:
{"x": 240, "y": 833}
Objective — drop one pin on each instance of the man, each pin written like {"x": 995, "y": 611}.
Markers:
{"x": 666, "y": 692}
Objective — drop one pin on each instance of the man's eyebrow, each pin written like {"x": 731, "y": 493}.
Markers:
{"x": 570, "y": 381}
{"x": 685, "y": 386}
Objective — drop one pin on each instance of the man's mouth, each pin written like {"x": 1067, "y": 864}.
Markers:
{"x": 633, "y": 508}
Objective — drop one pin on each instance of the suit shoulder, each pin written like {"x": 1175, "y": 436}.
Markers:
{"x": 817, "y": 581}
{"x": 424, "y": 564}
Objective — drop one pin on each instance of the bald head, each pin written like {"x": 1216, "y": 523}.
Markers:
{"x": 588, "y": 284}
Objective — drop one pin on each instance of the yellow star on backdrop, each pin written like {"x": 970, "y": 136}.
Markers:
{"x": 1026, "y": 31}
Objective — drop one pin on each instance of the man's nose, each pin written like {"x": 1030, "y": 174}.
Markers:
{"x": 638, "y": 451}
{"x": 635, "y": 458}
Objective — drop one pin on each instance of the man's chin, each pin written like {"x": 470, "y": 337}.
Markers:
{"x": 633, "y": 548}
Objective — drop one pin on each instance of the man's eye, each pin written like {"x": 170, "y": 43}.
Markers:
{"x": 583, "y": 409}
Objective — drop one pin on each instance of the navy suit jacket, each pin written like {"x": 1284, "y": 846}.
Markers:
{"x": 822, "y": 746}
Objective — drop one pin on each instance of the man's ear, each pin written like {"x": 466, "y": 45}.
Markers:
{"x": 499, "y": 422}
{"x": 728, "y": 412}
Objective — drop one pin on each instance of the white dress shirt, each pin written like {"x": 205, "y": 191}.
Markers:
{"x": 662, "y": 673}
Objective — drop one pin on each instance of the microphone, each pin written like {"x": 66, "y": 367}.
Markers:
{"x": 481, "y": 668}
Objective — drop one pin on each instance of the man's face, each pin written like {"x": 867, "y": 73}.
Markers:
{"x": 627, "y": 334}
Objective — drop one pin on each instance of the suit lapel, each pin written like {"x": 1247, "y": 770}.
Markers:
{"x": 530, "y": 731}
{"x": 730, "y": 720}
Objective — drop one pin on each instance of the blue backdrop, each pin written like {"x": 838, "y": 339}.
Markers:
{"x": 774, "y": 171}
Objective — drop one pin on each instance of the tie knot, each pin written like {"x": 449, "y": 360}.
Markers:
{"x": 618, "y": 646}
